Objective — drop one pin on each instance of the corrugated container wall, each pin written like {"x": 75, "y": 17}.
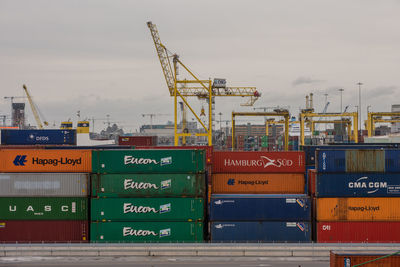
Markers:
{"x": 138, "y": 140}
{"x": 38, "y": 137}
{"x": 208, "y": 149}
{"x": 156, "y": 232}
{"x": 349, "y": 259}
{"x": 258, "y": 183}
{"x": 44, "y": 231}
{"x": 44, "y": 184}
{"x": 311, "y": 181}
{"x": 263, "y": 231}
{"x": 45, "y": 160}
{"x": 358, "y": 161}
{"x": 358, "y": 185}
{"x": 147, "y": 209}
{"x": 148, "y": 185}
{"x": 148, "y": 161}
{"x": 310, "y": 150}
{"x": 43, "y": 208}
{"x": 260, "y": 207}
{"x": 258, "y": 162}
{"x": 358, "y": 209}
{"x": 358, "y": 232}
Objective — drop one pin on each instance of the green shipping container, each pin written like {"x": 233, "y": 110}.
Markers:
{"x": 148, "y": 161}
{"x": 147, "y": 209}
{"x": 43, "y": 208}
{"x": 148, "y": 185}
{"x": 141, "y": 232}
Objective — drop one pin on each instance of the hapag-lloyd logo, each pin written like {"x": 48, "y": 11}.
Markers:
{"x": 262, "y": 162}
{"x": 143, "y": 161}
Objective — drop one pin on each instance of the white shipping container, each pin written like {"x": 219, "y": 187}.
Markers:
{"x": 44, "y": 184}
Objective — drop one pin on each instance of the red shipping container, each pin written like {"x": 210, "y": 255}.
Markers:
{"x": 358, "y": 232}
{"x": 258, "y": 162}
{"x": 44, "y": 231}
{"x": 312, "y": 174}
{"x": 138, "y": 140}
{"x": 208, "y": 149}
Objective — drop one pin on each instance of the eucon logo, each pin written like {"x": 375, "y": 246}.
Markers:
{"x": 20, "y": 160}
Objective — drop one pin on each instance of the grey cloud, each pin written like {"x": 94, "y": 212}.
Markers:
{"x": 305, "y": 80}
{"x": 381, "y": 91}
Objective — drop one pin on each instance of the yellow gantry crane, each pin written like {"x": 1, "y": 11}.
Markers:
{"x": 283, "y": 113}
{"x": 203, "y": 89}
{"x": 307, "y": 114}
{"x": 375, "y": 117}
{"x": 34, "y": 109}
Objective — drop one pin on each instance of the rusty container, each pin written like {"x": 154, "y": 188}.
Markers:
{"x": 378, "y": 259}
{"x": 258, "y": 183}
{"x": 45, "y": 160}
{"x": 358, "y": 209}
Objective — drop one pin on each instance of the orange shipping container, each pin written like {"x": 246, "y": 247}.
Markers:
{"x": 258, "y": 183}
{"x": 358, "y": 209}
{"x": 45, "y": 160}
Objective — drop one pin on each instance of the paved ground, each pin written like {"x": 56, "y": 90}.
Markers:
{"x": 160, "y": 262}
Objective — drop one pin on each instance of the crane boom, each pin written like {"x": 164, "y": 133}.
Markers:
{"x": 34, "y": 110}
{"x": 200, "y": 91}
{"x": 162, "y": 53}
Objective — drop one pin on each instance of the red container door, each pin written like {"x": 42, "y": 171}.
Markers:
{"x": 44, "y": 231}
{"x": 258, "y": 162}
{"x": 358, "y": 232}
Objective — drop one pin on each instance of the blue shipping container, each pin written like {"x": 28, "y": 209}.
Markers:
{"x": 260, "y": 208}
{"x": 263, "y": 231}
{"x": 358, "y": 161}
{"x": 310, "y": 150}
{"x": 38, "y": 137}
{"x": 358, "y": 184}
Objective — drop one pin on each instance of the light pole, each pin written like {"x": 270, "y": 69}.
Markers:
{"x": 359, "y": 104}
{"x": 341, "y": 92}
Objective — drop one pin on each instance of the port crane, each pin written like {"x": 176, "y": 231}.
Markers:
{"x": 194, "y": 87}
{"x": 34, "y": 109}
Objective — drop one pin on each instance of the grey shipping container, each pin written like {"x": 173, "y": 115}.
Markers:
{"x": 44, "y": 184}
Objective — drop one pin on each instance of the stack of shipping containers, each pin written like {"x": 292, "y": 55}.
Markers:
{"x": 259, "y": 197}
{"x": 358, "y": 195}
{"x": 148, "y": 196}
{"x": 44, "y": 195}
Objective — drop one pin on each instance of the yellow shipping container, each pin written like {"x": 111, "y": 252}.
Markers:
{"x": 358, "y": 209}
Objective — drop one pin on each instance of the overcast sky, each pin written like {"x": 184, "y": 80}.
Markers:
{"x": 98, "y": 56}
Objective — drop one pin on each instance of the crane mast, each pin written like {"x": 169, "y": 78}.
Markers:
{"x": 33, "y": 107}
{"x": 162, "y": 53}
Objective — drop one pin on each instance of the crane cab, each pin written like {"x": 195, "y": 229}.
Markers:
{"x": 66, "y": 125}
{"x": 82, "y": 127}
